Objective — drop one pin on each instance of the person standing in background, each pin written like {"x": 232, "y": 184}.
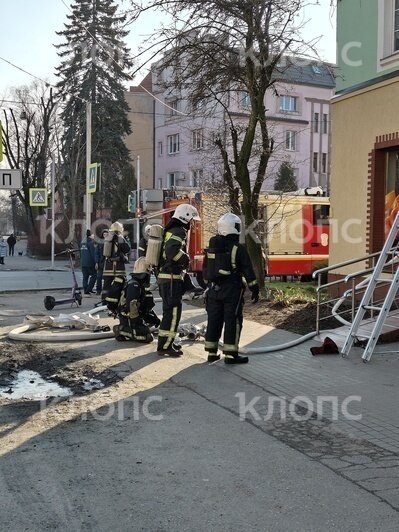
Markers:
{"x": 88, "y": 263}
{"x": 11, "y": 241}
{"x": 3, "y": 250}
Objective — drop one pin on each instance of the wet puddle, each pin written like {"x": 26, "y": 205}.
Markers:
{"x": 30, "y": 385}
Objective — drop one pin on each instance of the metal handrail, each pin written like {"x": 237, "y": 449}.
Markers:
{"x": 345, "y": 263}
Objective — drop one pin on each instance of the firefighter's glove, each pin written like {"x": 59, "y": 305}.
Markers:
{"x": 254, "y": 293}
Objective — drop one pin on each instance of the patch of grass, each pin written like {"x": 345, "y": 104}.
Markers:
{"x": 287, "y": 294}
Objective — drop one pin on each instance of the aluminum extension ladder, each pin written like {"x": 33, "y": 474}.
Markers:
{"x": 387, "y": 255}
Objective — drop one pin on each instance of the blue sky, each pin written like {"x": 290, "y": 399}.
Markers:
{"x": 28, "y": 33}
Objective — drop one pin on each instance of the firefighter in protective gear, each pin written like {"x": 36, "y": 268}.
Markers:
{"x": 228, "y": 269}
{"x": 144, "y": 241}
{"x": 115, "y": 251}
{"x": 135, "y": 307}
{"x": 173, "y": 263}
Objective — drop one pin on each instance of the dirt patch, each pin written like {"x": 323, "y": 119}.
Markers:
{"x": 50, "y": 364}
{"x": 297, "y": 317}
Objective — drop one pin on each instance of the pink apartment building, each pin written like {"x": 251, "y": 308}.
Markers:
{"x": 298, "y": 109}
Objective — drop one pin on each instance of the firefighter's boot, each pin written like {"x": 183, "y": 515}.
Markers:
{"x": 235, "y": 358}
{"x": 213, "y": 356}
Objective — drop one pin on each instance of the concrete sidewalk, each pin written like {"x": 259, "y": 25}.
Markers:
{"x": 22, "y": 273}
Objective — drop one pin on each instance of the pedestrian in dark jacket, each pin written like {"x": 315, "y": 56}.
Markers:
{"x": 88, "y": 263}
{"x": 11, "y": 241}
{"x": 100, "y": 261}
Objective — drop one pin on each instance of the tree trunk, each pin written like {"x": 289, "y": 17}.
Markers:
{"x": 254, "y": 246}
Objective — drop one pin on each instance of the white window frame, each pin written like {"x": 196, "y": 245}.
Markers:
{"x": 173, "y": 144}
{"x": 196, "y": 175}
{"x": 160, "y": 180}
{"x": 169, "y": 179}
{"x": 160, "y": 148}
{"x": 244, "y": 100}
{"x": 287, "y": 98}
{"x": 173, "y": 107}
{"x": 291, "y": 140}
{"x": 197, "y": 139}
{"x": 387, "y": 56}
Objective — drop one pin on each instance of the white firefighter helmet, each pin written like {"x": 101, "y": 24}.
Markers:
{"x": 229, "y": 224}
{"x": 116, "y": 227}
{"x": 186, "y": 213}
{"x": 140, "y": 266}
{"x": 147, "y": 230}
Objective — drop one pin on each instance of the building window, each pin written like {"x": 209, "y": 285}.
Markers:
{"x": 323, "y": 163}
{"x": 160, "y": 183}
{"x": 388, "y": 34}
{"x": 315, "y": 162}
{"x": 172, "y": 179}
{"x": 173, "y": 107}
{"x": 244, "y": 100}
{"x": 173, "y": 144}
{"x": 288, "y": 103}
{"x": 197, "y": 139}
{"x": 325, "y": 123}
{"x": 290, "y": 140}
{"x": 160, "y": 148}
{"x": 196, "y": 178}
{"x": 316, "y": 123}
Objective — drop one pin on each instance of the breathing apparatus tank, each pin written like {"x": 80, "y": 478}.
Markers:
{"x": 154, "y": 246}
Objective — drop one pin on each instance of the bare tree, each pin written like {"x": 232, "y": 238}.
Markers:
{"x": 28, "y": 138}
{"x": 214, "y": 49}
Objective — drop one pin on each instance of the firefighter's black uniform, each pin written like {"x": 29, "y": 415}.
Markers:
{"x": 174, "y": 260}
{"x": 135, "y": 310}
{"x": 224, "y": 300}
{"x": 114, "y": 266}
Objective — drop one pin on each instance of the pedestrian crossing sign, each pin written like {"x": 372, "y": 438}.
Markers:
{"x": 38, "y": 197}
{"x": 92, "y": 183}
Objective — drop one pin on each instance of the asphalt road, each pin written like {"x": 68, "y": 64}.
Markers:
{"x": 196, "y": 468}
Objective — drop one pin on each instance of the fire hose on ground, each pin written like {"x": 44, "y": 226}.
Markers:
{"x": 186, "y": 330}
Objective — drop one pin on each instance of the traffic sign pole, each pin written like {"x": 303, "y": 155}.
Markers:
{"x": 88, "y": 162}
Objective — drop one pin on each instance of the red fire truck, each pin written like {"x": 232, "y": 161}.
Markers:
{"x": 293, "y": 230}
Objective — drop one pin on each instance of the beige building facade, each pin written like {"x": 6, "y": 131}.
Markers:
{"x": 365, "y": 170}
{"x": 141, "y": 141}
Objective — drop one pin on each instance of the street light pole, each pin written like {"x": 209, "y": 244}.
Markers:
{"x": 88, "y": 163}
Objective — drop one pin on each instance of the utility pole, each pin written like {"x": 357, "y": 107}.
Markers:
{"x": 52, "y": 212}
{"x": 88, "y": 163}
{"x": 138, "y": 211}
